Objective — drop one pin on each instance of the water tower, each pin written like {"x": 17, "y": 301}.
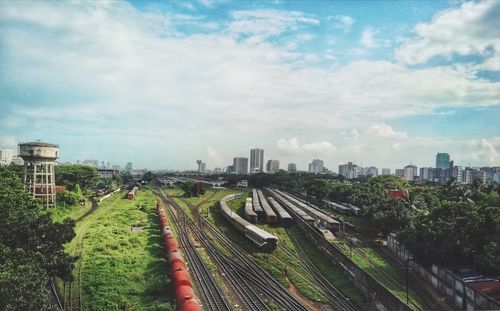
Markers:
{"x": 39, "y": 177}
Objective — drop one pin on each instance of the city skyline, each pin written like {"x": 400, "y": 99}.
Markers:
{"x": 164, "y": 84}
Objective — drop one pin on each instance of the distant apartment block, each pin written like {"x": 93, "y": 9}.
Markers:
{"x": 399, "y": 172}
{"x": 410, "y": 172}
{"x": 6, "y": 156}
{"x": 386, "y": 171}
{"x": 427, "y": 173}
{"x": 240, "y": 165}
{"x": 316, "y": 166}
{"x": 292, "y": 168}
{"x": 256, "y": 160}
{"x": 272, "y": 166}
{"x": 442, "y": 161}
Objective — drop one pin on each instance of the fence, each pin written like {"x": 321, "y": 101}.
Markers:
{"x": 445, "y": 281}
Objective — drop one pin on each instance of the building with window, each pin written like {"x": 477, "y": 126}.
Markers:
{"x": 256, "y": 160}
{"x": 6, "y": 156}
{"x": 442, "y": 161}
{"x": 292, "y": 168}
{"x": 272, "y": 166}
{"x": 240, "y": 165}
{"x": 316, "y": 166}
{"x": 410, "y": 172}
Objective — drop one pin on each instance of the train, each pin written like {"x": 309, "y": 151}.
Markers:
{"x": 257, "y": 208}
{"x": 249, "y": 214}
{"x": 132, "y": 193}
{"x": 263, "y": 239}
{"x": 185, "y": 297}
{"x": 285, "y": 218}
{"x": 346, "y": 209}
{"x": 270, "y": 215}
{"x": 327, "y": 221}
{"x": 295, "y": 210}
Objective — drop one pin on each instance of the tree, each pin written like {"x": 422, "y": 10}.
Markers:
{"x": 31, "y": 247}
{"x": 71, "y": 175}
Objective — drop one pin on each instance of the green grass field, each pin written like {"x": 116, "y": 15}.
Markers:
{"x": 121, "y": 269}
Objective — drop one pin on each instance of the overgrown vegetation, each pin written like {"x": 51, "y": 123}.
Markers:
{"x": 123, "y": 265}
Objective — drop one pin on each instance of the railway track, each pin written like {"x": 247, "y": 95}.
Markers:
{"x": 333, "y": 294}
{"x": 211, "y": 296}
{"x": 239, "y": 262}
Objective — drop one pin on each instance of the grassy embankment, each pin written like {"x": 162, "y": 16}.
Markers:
{"x": 275, "y": 263}
{"x": 121, "y": 268}
{"x": 62, "y": 212}
{"x": 368, "y": 259}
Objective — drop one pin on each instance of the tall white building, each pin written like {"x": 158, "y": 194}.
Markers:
{"x": 256, "y": 160}
{"x": 240, "y": 166}
{"x": 316, "y": 166}
{"x": 272, "y": 166}
{"x": 6, "y": 156}
{"x": 410, "y": 172}
{"x": 292, "y": 168}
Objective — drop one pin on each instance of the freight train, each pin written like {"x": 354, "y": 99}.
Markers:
{"x": 263, "y": 239}
{"x": 185, "y": 298}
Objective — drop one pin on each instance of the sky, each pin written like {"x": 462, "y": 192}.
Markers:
{"x": 164, "y": 83}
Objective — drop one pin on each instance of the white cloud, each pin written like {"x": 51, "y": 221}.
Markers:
{"x": 385, "y": 131}
{"x": 471, "y": 29}
{"x": 259, "y": 25}
{"x": 368, "y": 38}
{"x": 120, "y": 72}
{"x": 293, "y": 146}
{"x": 343, "y": 22}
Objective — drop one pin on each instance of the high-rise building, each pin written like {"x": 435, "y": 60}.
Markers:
{"x": 442, "y": 161}
{"x": 470, "y": 174}
{"x": 256, "y": 160}
{"x": 410, "y": 172}
{"x": 351, "y": 170}
{"x": 6, "y": 156}
{"x": 240, "y": 165}
{"x": 457, "y": 173}
{"x": 316, "y": 166}
{"x": 427, "y": 173}
{"x": 229, "y": 169}
{"x": 272, "y": 166}
{"x": 386, "y": 171}
{"x": 292, "y": 168}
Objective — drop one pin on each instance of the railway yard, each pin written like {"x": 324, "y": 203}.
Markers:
{"x": 212, "y": 253}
